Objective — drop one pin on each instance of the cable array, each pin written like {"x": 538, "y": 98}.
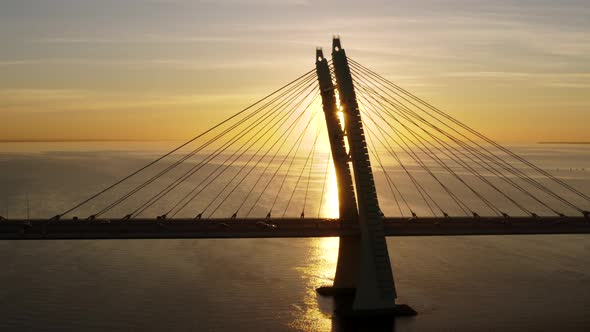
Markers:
{"x": 450, "y": 168}
{"x": 273, "y": 158}
{"x": 237, "y": 168}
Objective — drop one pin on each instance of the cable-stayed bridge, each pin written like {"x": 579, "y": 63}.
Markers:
{"x": 339, "y": 132}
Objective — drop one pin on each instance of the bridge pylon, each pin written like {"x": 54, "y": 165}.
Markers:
{"x": 365, "y": 258}
{"x": 345, "y": 280}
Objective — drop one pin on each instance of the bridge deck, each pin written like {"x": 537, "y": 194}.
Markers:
{"x": 280, "y": 228}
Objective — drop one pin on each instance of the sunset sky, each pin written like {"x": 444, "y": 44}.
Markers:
{"x": 516, "y": 70}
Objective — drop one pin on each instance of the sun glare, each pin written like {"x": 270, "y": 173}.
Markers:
{"x": 330, "y": 206}
{"x": 341, "y": 118}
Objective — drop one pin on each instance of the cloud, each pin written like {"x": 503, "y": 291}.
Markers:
{"x": 67, "y": 100}
{"x": 136, "y": 39}
{"x": 568, "y": 85}
{"x": 543, "y": 79}
{"x": 489, "y": 75}
{"x": 184, "y": 64}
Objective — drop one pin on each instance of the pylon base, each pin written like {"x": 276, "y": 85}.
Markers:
{"x": 399, "y": 310}
{"x": 344, "y": 297}
{"x": 335, "y": 291}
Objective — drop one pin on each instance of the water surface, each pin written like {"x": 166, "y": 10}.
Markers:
{"x": 455, "y": 283}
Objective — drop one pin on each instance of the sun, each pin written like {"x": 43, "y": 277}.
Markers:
{"x": 330, "y": 206}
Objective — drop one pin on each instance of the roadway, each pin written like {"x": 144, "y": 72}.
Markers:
{"x": 36, "y": 229}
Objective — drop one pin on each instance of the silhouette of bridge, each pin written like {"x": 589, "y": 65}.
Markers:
{"x": 262, "y": 163}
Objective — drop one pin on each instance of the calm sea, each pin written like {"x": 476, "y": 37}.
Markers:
{"x": 486, "y": 283}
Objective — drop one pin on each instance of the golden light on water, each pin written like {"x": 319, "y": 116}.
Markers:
{"x": 318, "y": 272}
{"x": 321, "y": 266}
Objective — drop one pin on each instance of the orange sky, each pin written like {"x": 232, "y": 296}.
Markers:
{"x": 156, "y": 69}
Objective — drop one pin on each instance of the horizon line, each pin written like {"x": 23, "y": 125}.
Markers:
{"x": 84, "y": 140}
{"x": 106, "y": 140}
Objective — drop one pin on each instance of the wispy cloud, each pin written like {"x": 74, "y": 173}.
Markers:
{"x": 489, "y": 75}
{"x": 136, "y": 39}
{"x": 185, "y": 64}
{"x": 66, "y": 100}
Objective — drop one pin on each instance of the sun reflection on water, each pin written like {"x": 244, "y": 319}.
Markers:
{"x": 316, "y": 312}
{"x": 316, "y": 315}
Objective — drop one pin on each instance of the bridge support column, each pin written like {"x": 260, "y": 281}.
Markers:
{"x": 375, "y": 291}
{"x": 345, "y": 280}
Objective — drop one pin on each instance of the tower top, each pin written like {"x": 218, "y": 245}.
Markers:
{"x": 319, "y": 54}
{"x": 336, "y": 46}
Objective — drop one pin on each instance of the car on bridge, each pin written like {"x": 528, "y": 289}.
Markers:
{"x": 262, "y": 224}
